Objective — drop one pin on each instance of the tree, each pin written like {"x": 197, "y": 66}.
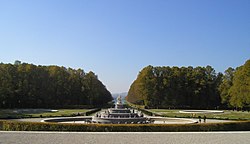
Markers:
{"x": 176, "y": 87}
{"x": 225, "y": 86}
{"x": 17, "y": 62}
{"x": 97, "y": 92}
{"x": 25, "y": 85}
{"x": 240, "y": 90}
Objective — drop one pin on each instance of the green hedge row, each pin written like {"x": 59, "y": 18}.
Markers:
{"x": 88, "y": 113}
{"x": 30, "y": 126}
{"x": 147, "y": 112}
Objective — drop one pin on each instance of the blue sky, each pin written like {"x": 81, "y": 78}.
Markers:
{"x": 117, "y": 38}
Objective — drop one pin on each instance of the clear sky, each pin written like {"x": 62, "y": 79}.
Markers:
{"x": 117, "y": 38}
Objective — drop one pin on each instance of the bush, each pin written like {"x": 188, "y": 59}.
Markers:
{"x": 142, "y": 109}
{"x": 31, "y": 126}
{"x": 92, "y": 111}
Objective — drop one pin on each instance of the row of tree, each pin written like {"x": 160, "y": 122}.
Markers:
{"x": 235, "y": 87}
{"x": 25, "y": 85}
{"x": 188, "y": 87}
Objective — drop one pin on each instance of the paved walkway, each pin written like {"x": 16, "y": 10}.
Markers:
{"x": 214, "y": 120}
{"x": 124, "y": 138}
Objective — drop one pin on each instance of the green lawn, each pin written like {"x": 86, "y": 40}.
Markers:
{"x": 25, "y": 113}
{"x": 228, "y": 114}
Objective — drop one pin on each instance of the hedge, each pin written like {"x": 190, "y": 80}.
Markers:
{"x": 31, "y": 126}
{"x": 147, "y": 112}
{"x": 92, "y": 111}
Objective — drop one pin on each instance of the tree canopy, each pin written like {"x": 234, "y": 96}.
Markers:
{"x": 238, "y": 95}
{"x": 188, "y": 87}
{"x": 163, "y": 87}
{"x": 25, "y": 85}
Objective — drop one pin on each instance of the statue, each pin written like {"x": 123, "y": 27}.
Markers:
{"x": 119, "y": 100}
{"x": 119, "y": 103}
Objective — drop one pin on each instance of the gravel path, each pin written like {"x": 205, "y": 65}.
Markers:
{"x": 124, "y": 138}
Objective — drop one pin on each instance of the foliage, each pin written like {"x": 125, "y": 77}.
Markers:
{"x": 226, "y": 84}
{"x": 88, "y": 113}
{"x": 27, "y": 126}
{"x": 25, "y": 85}
{"x": 188, "y": 87}
{"x": 235, "y": 88}
{"x": 164, "y": 87}
{"x": 240, "y": 90}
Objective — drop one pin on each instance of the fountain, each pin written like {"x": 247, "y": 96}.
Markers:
{"x": 120, "y": 115}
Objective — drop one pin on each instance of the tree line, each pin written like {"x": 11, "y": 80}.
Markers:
{"x": 188, "y": 87}
{"x": 24, "y": 85}
{"x": 235, "y": 87}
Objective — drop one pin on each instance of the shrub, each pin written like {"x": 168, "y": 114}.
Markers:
{"x": 32, "y": 126}
{"x": 92, "y": 111}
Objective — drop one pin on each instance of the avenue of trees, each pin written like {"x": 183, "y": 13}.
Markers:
{"x": 25, "y": 85}
{"x": 235, "y": 87}
{"x": 188, "y": 87}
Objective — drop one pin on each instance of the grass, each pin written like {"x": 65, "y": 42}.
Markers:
{"x": 32, "y": 113}
{"x": 227, "y": 115}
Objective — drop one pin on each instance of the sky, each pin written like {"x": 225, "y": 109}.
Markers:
{"x": 117, "y": 38}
